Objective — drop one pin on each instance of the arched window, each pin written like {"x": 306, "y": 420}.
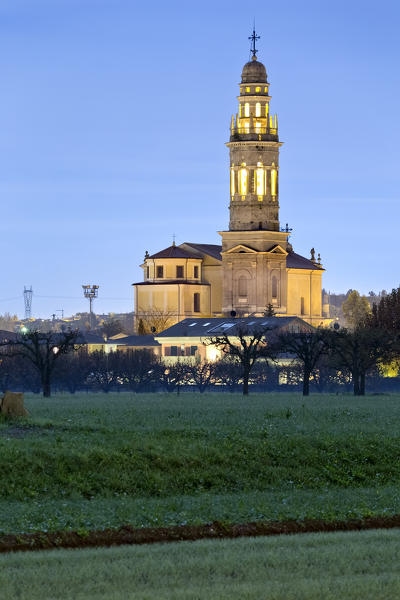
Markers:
{"x": 260, "y": 180}
{"x": 247, "y": 109}
{"x": 232, "y": 182}
{"x": 242, "y": 286}
{"x": 243, "y": 181}
{"x": 258, "y": 109}
{"x": 240, "y": 110}
{"x": 302, "y": 307}
{"x": 274, "y": 287}
{"x": 273, "y": 182}
{"x": 258, "y": 89}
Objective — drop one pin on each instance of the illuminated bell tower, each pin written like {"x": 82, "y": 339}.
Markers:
{"x": 254, "y": 154}
{"x": 254, "y": 249}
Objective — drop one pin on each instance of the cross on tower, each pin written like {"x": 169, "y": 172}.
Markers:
{"x": 253, "y": 39}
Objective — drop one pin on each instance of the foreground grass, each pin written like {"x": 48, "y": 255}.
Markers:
{"x": 94, "y": 461}
{"x": 351, "y": 566}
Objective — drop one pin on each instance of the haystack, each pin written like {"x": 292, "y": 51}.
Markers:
{"x": 12, "y": 405}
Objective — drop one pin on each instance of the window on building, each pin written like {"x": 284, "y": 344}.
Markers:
{"x": 193, "y": 350}
{"x": 266, "y": 110}
{"x": 160, "y": 271}
{"x": 243, "y": 181}
{"x": 260, "y": 180}
{"x": 232, "y": 182}
{"x": 179, "y": 272}
{"x": 196, "y": 272}
{"x": 242, "y": 286}
{"x": 258, "y": 109}
{"x": 147, "y": 272}
{"x": 274, "y": 287}
{"x": 302, "y": 306}
{"x": 247, "y": 109}
{"x": 240, "y": 110}
{"x": 196, "y": 302}
{"x": 258, "y": 89}
{"x": 174, "y": 351}
{"x": 247, "y": 89}
{"x": 273, "y": 182}
{"x": 266, "y": 90}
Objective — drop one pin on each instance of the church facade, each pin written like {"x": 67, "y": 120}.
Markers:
{"x": 255, "y": 267}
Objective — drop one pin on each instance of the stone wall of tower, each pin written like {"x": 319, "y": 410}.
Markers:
{"x": 250, "y": 211}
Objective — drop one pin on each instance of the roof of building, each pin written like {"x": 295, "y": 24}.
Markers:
{"x": 173, "y": 252}
{"x": 213, "y": 250}
{"x": 295, "y": 261}
{"x": 203, "y": 327}
{"x": 254, "y": 72}
{"x": 135, "y": 340}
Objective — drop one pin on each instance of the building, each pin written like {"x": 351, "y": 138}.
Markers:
{"x": 185, "y": 341}
{"x": 256, "y": 265}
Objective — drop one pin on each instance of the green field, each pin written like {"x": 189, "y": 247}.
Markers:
{"x": 333, "y": 566}
{"x": 92, "y": 461}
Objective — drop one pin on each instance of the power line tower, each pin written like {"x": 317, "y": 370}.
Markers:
{"x": 28, "y": 293}
{"x": 91, "y": 292}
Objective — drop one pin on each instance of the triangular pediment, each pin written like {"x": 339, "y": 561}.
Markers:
{"x": 240, "y": 248}
{"x": 277, "y": 250}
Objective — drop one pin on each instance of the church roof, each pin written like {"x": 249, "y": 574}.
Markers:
{"x": 213, "y": 250}
{"x": 174, "y": 252}
{"x": 295, "y": 261}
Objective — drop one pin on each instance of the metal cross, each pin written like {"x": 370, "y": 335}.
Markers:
{"x": 253, "y": 38}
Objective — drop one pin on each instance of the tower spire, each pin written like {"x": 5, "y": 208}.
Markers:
{"x": 253, "y": 39}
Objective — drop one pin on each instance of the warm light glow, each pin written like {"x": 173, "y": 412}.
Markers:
{"x": 246, "y": 126}
{"x": 243, "y": 181}
{"x": 247, "y": 109}
{"x": 232, "y": 182}
{"x": 258, "y": 109}
{"x": 271, "y": 123}
{"x": 213, "y": 353}
{"x": 247, "y": 89}
{"x": 260, "y": 181}
{"x": 273, "y": 182}
{"x": 258, "y": 89}
{"x": 266, "y": 110}
{"x": 266, "y": 90}
{"x": 240, "y": 110}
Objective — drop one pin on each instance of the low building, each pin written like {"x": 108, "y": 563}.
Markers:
{"x": 186, "y": 340}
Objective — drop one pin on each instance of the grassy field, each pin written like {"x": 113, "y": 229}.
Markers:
{"x": 94, "y": 461}
{"x": 333, "y": 566}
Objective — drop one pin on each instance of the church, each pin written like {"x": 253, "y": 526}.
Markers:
{"x": 255, "y": 266}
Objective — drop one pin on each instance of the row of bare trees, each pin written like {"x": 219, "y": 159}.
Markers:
{"x": 323, "y": 357}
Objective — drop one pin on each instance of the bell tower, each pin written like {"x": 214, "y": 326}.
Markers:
{"x": 254, "y": 249}
{"x": 254, "y": 153}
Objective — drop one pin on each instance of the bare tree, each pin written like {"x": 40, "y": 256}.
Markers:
{"x": 202, "y": 374}
{"x": 154, "y": 320}
{"x": 246, "y": 345}
{"x": 171, "y": 377}
{"x": 307, "y": 347}
{"x": 43, "y": 351}
{"x": 228, "y": 372}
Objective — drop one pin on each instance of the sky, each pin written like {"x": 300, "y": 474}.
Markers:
{"x": 114, "y": 116}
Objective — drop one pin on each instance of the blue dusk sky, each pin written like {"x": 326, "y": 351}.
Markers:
{"x": 113, "y": 122}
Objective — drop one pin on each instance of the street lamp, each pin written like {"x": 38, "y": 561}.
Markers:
{"x": 91, "y": 292}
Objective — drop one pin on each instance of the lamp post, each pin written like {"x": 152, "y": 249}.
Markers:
{"x": 91, "y": 292}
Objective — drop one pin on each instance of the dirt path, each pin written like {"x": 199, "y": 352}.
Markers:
{"x": 151, "y": 535}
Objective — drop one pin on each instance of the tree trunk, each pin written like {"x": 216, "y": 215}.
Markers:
{"x": 362, "y": 384}
{"x": 306, "y": 382}
{"x": 356, "y": 383}
{"x": 246, "y": 375}
{"x": 46, "y": 387}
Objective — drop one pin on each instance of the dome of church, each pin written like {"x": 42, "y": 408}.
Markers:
{"x": 254, "y": 72}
